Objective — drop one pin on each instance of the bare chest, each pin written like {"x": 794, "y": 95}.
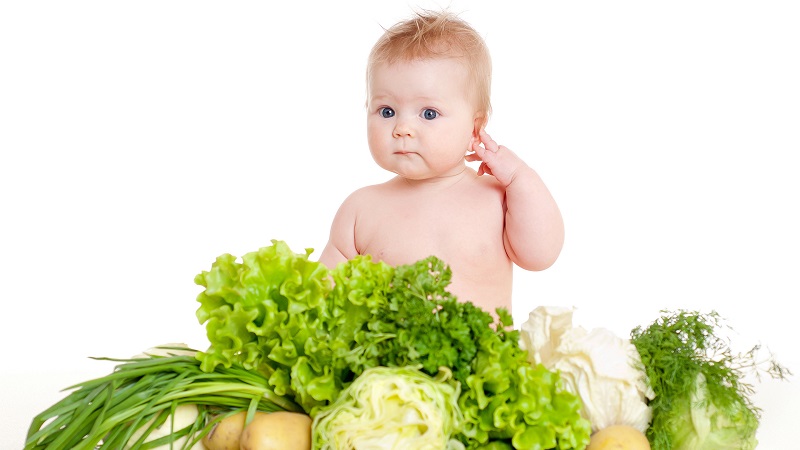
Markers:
{"x": 404, "y": 229}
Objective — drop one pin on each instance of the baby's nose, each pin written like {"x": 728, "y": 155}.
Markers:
{"x": 402, "y": 129}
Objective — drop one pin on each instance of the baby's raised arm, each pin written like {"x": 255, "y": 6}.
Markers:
{"x": 534, "y": 229}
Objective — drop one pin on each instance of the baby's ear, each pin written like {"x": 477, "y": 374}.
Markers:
{"x": 478, "y": 124}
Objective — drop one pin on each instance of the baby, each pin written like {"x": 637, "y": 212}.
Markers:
{"x": 428, "y": 82}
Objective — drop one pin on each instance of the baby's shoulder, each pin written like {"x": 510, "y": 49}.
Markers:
{"x": 366, "y": 196}
{"x": 367, "y": 193}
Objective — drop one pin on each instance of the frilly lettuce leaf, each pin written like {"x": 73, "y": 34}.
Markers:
{"x": 262, "y": 312}
{"x": 509, "y": 399}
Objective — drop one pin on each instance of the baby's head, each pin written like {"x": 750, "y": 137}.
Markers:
{"x": 435, "y": 35}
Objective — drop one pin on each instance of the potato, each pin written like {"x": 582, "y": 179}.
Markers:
{"x": 226, "y": 433}
{"x": 281, "y": 430}
{"x": 618, "y": 437}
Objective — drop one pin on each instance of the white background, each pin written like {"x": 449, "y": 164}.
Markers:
{"x": 140, "y": 140}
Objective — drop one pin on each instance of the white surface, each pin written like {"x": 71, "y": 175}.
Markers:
{"x": 140, "y": 140}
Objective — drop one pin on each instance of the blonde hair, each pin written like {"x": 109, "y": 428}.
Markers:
{"x": 430, "y": 35}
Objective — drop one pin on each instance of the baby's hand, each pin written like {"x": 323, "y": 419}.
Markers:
{"x": 496, "y": 160}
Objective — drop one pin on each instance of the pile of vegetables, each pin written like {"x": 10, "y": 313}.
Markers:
{"x": 673, "y": 385}
{"x": 307, "y": 335}
{"x": 367, "y": 355}
{"x": 277, "y": 313}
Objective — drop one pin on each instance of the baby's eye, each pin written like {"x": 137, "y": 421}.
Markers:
{"x": 386, "y": 112}
{"x": 429, "y": 114}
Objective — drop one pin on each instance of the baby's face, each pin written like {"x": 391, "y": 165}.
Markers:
{"x": 420, "y": 117}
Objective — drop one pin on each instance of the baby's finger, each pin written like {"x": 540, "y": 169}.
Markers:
{"x": 488, "y": 142}
{"x": 477, "y": 148}
{"x": 470, "y": 157}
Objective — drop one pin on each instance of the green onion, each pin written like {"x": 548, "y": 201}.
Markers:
{"x": 103, "y": 413}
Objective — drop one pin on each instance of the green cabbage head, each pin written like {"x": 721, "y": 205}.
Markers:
{"x": 702, "y": 424}
{"x": 397, "y": 408}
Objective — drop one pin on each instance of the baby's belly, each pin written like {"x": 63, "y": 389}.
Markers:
{"x": 488, "y": 289}
{"x": 480, "y": 275}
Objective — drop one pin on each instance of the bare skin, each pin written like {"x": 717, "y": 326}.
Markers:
{"x": 423, "y": 127}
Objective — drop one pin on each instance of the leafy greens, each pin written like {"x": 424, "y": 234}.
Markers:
{"x": 701, "y": 397}
{"x": 312, "y": 331}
